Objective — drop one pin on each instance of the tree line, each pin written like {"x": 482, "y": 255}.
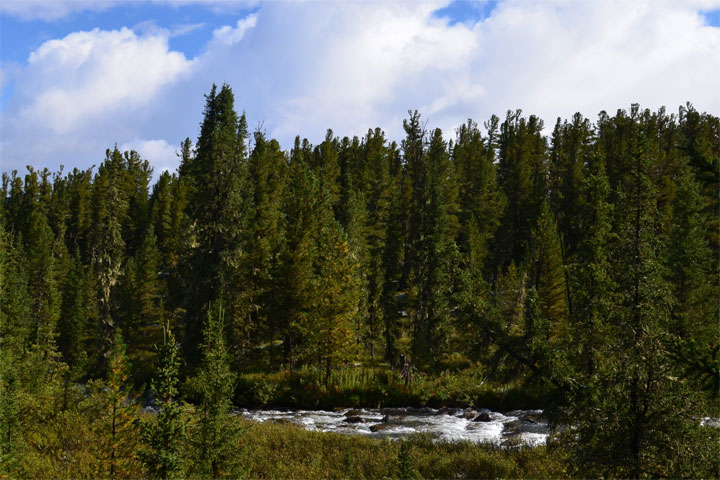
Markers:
{"x": 584, "y": 262}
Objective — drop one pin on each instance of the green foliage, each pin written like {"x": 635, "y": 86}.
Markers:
{"x": 166, "y": 435}
{"x": 215, "y": 434}
{"x": 114, "y": 416}
{"x": 576, "y": 272}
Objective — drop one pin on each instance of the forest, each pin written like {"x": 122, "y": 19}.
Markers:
{"x": 574, "y": 269}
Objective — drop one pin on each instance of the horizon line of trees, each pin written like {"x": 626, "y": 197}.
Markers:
{"x": 585, "y": 262}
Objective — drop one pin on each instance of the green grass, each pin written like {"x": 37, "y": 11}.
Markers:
{"x": 287, "y": 451}
{"x": 379, "y": 386}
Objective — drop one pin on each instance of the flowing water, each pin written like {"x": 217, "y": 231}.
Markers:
{"x": 518, "y": 427}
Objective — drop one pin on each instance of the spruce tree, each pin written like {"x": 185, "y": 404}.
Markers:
{"x": 218, "y": 207}
{"x": 216, "y": 433}
{"x": 432, "y": 255}
{"x": 522, "y": 176}
{"x": 481, "y": 201}
{"x": 114, "y": 414}
{"x": 547, "y": 273}
{"x": 637, "y": 418}
{"x": 142, "y": 309}
{"x": 336, "y": 291}
{"x": 164, "y": 436}
{"x": 307, "y": 211}
{"x": 268, "y": 177}
{"x": 378, "y": 207}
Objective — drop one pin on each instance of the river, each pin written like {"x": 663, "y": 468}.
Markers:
{"x": 517, "y": 427}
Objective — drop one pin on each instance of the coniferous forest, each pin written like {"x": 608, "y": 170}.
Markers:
{"x": 572, "y": 268}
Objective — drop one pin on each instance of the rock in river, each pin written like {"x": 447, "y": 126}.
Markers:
{"x": 483, "y": 417}
{"x": 354, "y": 419}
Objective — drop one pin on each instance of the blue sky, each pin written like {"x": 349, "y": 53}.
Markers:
{"x": 79, "y": 76}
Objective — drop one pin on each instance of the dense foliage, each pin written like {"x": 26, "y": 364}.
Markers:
{"x": 580, "y": 268}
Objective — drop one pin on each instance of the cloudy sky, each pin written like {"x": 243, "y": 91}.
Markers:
{"x": 79, "y": 76}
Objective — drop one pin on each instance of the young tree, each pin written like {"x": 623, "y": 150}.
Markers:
{"x": 216, "y": 432}
{"x": 114, "y": 414}
{"x": 336, "y": 292}
{"x": 164, "y": 437}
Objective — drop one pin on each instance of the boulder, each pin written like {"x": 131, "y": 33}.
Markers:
{"x": 483, "y": 417}
{"x": 354, "y": 419}
{"x": 355, "y": 412}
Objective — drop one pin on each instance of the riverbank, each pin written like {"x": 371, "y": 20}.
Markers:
{"x": 276, "y": 450}
{"x": 380, "y": 387}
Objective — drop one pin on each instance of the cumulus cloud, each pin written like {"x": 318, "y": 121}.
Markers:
{"x": 308, "y": 66}
{"x": 85, "y": 88}
{"x": 301, "y": 67}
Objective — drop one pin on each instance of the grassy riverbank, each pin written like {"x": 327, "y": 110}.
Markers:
{"x": 65, "y": 447}
{"x": 288, "y": 451}
{"x": 380, "y": 387}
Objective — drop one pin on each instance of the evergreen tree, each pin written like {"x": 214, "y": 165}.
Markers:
{"x": 107, "y": 246}
{"x": 547, "y": 273}
{"x": 481, "y": 201}
{"x": 43, "y": 291}
{"x": 216, "y": 433}
{"x": 522, "y": 176}
{"x": 571, "y": 146}
{"x": 75, "y": 326}
{"x": 307, "y": 211}
{"x": 689, "y": 266}
{"x": 432, "y": 254}
{"x": 637, "y": 419}
{"x": 142, "y": 307}
{"x": 114, "y": 417}
{"x": 267, "y": 173}
{"x": 377, "y": 217}
{"x": 393, "y": 260}
{"x": 592, "y": 286}
{"x": 336, "y": 291}
{"x": 218, "y": 207}
{"x": 164, "y": 437}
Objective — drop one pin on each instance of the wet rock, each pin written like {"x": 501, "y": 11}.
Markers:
{"x": 354, "y": 419}
{"x": 386, "y": 419}
{"x": 482, "y": 417}
{"x": 355, "y": 412}
{"x": 531, "y": 418}
{"x": 469, "y": 415}
{"x": 393, "y": 411}
{"x": 379, "y": 427}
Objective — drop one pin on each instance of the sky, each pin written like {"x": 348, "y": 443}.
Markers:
{"x": 80, "y": 76}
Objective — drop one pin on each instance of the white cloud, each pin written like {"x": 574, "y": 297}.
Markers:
{"x": 85, "y": 88}
{"x": 162, "y": 157}
{"x": 88, "y": 74}
{"x": 228, "y": 35}
{"x": 301, "y": 67}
